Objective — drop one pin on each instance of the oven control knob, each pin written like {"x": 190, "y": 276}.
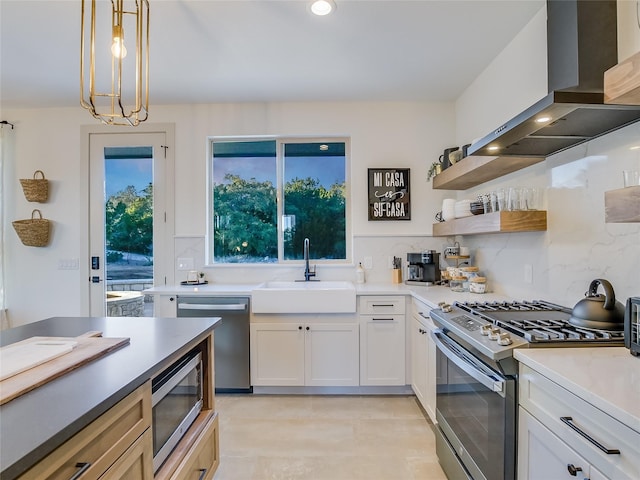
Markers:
{"x": 504, "y": 339}
{"x": 494, "y": 333}
{"x": 485, "y": 329}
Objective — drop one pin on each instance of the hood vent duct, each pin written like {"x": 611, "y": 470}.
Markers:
{"x": 581, "y": 46}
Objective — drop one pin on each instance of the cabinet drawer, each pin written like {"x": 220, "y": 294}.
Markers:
{"x": 136, "y": 463}
{"x": 550, "y": 404}
{"x": 101, "y": 443}
{"x": 201, "y": 462}
{"x": 376, "y": 304}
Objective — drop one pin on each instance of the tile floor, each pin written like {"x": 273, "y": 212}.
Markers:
{"x": 267, "y": 437}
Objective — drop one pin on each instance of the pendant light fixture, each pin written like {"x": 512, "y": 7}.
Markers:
{"x": 114, "y": 60}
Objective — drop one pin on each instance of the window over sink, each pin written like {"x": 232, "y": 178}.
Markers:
{"x": 266, "y": 195}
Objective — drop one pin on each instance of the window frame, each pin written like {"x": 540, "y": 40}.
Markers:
{"x": 280, "y": 145}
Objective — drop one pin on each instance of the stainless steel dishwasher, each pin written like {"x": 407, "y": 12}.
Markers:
{"x": 231, "y": 338}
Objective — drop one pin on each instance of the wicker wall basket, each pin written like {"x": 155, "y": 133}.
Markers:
{"x": 33, "y": 232}
{"x": 36, "y": 189}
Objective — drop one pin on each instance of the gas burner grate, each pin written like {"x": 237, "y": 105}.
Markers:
{"x": 537, "y": 321}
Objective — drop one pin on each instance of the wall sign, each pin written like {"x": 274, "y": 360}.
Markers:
{"x": 389, "y": 197}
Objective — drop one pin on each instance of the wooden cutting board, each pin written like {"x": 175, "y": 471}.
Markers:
{"x": 38, "y": 360}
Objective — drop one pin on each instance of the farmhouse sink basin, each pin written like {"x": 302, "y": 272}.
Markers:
{"x": 304, "y": 297}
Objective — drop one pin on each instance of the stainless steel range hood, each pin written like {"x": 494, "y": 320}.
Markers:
{"x": 581, "y": 46}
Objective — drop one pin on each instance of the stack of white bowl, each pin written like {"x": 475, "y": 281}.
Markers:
{"x": 462, "y": 208}
{"x": 448, "y": 209}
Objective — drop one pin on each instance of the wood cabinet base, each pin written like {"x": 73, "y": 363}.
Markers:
{"x": 198, "y": 453}
{"x": 103, "y": 442}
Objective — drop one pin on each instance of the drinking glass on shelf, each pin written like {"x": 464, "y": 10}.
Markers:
{"x": 501, "y": 197}
{"x": 493, "y": 201}
{"x": 514, "y": 199}
{"x": 532, "y": 198}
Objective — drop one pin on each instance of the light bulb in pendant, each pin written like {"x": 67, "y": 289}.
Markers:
{"x": 118, "y": 49}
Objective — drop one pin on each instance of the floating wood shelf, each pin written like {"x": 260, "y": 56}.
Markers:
{"x": 622, "y": 82}
{"x": 474, "y": 170}
{"x": 622, "y": 205}
{"x": 497, "y": 222}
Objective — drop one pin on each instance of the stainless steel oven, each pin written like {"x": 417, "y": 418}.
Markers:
{"x": 476, "y": 401}
{"x": 475, "y": 412}
{"x": 177, "y": 399}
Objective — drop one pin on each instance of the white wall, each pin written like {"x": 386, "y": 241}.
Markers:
{"x": 407, "y": 135}
{"x": 628, "y": 28}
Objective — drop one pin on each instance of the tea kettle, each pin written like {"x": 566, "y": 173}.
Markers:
{"x": 599, "y": 311}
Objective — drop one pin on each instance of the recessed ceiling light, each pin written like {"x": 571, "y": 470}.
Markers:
{"x": 635, "y": 147}
{"x": 543, "y": 119}
{"x": 493, "y": 148}
{"x": 323, "y": 7}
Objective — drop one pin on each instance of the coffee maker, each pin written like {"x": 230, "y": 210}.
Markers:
{"x": 423, "y": 268}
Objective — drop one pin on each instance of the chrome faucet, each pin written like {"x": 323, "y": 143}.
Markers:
{"x": 308, "y": 273}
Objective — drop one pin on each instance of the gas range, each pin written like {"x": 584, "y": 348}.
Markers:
{"x": 496, "y": 328}
{"x": 474, "y": 348}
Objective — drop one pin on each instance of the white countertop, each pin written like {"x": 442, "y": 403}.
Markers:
{"x": 606, "y": 377}
{"x": 208, "y": 289}
{"x": 431, "y": 295}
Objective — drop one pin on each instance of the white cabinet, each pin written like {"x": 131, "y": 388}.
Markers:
{"x": 165, "y": 306}
{"x": 304, "y": 354}
{"x": 419, "y": 359}
{"x": 331, "y": 354}
{"x": 424, "y": 375}
{"x": 544, "y": 456}
{"x": 277, "y": 354}
{"x": 564, "y": 432}
{"x": 382, "y": 340}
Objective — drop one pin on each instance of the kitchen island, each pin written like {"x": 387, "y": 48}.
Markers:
{"x": 38, "y": 422}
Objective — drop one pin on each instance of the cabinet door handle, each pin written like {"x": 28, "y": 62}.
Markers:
{"x": 203, "y": 472}
{"x": 308, "y": 328}
{"x": 382, "y": 305}
{"x": 299, "y": 327}
{"x": 382, "y": 319}
{"x": 569, "y": 421}
{"x": 573, "y": 470}
{"x": 83, "y": 466}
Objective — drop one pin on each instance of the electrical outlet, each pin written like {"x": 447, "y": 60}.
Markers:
{"x": 368, "y": 263}
{"x": 528, "y": 273}
{"x": 185, "y": 263}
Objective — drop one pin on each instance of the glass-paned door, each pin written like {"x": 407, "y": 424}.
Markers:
{"x": 126, "y": 220}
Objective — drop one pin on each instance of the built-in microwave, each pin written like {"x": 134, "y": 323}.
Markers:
{"x": 177, "y": 399}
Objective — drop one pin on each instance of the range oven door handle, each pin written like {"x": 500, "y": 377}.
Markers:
{"x": 478, "y": 371}
{"x": 211, "y": 306}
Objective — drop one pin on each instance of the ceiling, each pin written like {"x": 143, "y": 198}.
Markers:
{"x": 209, "y": 51}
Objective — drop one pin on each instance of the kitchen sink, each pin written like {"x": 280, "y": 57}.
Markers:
{"x": 304, "y": 297}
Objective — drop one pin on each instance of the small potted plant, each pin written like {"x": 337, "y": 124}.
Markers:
{"x": 434, "y": 169}
{"x": 201, "y": 275}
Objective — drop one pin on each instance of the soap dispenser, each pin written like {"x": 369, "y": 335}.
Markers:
{"x": 360, "y": 273}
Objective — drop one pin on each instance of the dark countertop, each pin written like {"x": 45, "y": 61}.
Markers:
{"x": 34, "y": 424}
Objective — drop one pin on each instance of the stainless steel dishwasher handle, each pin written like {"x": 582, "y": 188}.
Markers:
{"x": 212, "y": 307}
